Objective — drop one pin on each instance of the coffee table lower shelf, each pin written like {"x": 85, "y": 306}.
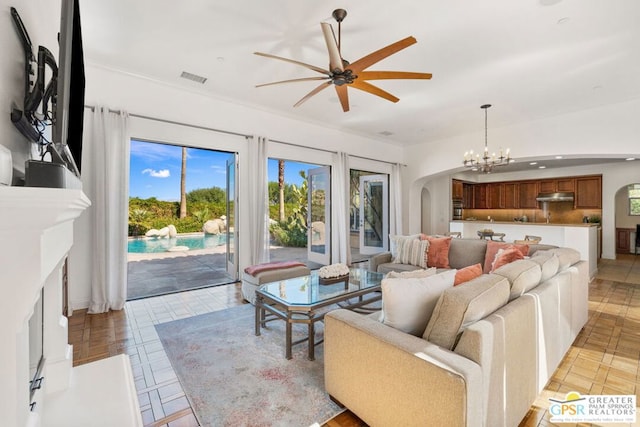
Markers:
{"x": 269, "y": 308}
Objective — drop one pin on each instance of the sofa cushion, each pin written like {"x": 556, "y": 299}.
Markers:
{"x": 468, "y": 273}
{"x": 522, "y": 275}
{"x": 438, "y": 251}
{"x": 539, "y": 247}
{"x": 391, "y": 266}
{"x": 394, "y": 239}
{"x": 411, "y": 274}
{"x": 461, "y": 306}
{"x": 506, "y": 256}
{"x": 494, "y": 247}
{"x": 548, "y": 262}
{"x": 566, "y": 256}
{"x": 465, "y": 252}
{"x": 407, "y": 304}
{"x": 412, "y": 252}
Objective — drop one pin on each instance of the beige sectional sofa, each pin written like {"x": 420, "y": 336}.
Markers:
{"x": 488, "y": 350}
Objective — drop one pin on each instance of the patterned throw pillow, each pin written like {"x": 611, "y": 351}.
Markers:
{"x": 394, "y": 239}
{"x": 412, "y": 252}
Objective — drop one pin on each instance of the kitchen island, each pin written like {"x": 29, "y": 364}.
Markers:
{"x": 581, "y": 237}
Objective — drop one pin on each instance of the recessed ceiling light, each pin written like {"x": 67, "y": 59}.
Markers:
{"x": 533, "y": 163}
{"x": 542, "y": 167}
{"x": 558, "y": 157}
{"x": 630, "y": 158}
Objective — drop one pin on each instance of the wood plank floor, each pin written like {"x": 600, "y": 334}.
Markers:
{"x": 604, "y": 359}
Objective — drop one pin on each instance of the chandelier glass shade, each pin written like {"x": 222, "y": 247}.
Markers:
{"x": 486, "y": 162}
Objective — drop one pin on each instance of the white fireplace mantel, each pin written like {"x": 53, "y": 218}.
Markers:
{"x": 36, "y": 233}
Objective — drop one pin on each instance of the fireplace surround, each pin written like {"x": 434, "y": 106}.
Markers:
{"x": 36, "y": 233}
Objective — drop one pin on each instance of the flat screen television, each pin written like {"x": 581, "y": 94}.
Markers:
{"x": 68, "y": 120}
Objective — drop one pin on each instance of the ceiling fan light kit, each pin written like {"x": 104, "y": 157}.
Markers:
{"x": 343, "y": 74}
{"x": 486, "y": 163}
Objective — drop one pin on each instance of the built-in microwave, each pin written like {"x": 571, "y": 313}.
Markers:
{"x": 457, "y": 209}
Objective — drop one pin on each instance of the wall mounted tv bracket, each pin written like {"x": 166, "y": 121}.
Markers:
{"x": 28, "y": 121}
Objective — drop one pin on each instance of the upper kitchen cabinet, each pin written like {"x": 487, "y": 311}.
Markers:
{"x": 480, "y": 196}
{"x": 495, "y": 195}
{"x": 588, "y": 192}
{"x": 557, "y": 185}
{"x": 510, "y": 192}
{"x": 456, "y": 189}
{"x": 528, "y": 191}
{"x": 467, "y": 196}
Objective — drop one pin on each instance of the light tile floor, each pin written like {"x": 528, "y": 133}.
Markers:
{"x": 608, "y": 345}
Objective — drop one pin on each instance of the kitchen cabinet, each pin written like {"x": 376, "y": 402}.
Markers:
{"x": 527, "y": 193}
{"x": 467, "y": 196}
{"x": 567, "y": 185}
{"x": 510, "y": 192}
{"x": 495, "y": 195}
{"x": 623, "y": 240}
{"x": 480, "y": 196}
{"x": 456, "y": 189}
{"x": 563, "y": 185}
{"x": 588, "y": 192}
{"x": 547, "y": 186}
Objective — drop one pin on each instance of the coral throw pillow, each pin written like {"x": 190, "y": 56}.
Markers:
{"x": 494, "y": 247}
{"x": 438, "y": 251}
{"x": 468, "y": 273}
{"x": 505, "y": 256}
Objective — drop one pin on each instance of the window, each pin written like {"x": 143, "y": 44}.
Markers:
{"x": 634, "y": 199}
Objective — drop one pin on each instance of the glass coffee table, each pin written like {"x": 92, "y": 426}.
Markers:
{"x": 299, "y": 299}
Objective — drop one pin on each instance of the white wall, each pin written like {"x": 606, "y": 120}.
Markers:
{"x": 623, "y": 219}
{"x": 140, "y": 96}
{"x": 42, "y": 20}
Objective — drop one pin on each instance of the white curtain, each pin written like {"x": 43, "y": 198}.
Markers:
{"x": 395, "y": 196}
{"x": 108, "y": 142}
{"x": 259, "y": 226}
{"x": 340, "y": 175}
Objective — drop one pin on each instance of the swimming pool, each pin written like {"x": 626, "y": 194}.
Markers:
{"x": 146, "y": 245}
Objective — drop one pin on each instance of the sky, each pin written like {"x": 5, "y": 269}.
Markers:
{"x": 155, "y": 170}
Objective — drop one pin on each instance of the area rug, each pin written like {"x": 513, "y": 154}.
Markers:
{"x": 234, "y": 378}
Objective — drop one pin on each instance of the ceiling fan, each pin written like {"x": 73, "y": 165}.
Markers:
{"x": 342, "y": 74}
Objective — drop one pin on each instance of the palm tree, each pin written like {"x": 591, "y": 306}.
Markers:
{"x": 183, "y": 184}
{"x": 281, "y": 187}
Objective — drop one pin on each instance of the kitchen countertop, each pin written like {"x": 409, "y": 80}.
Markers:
{"x": 478, "y": 221}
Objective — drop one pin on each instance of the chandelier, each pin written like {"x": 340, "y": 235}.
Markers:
{"x": 486, "y": 163}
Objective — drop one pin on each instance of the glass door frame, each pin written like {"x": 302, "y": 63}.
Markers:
{"x": 365, "y": 184}
{"x": 316, "y": 256}
{"x": 231, "y": 254}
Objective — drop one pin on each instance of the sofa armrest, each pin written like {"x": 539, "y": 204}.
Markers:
{"x": 387, "y": 377}
{"x": 377, "y": 259}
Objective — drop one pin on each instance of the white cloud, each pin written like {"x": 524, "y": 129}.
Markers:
{"x": 164, "y": 173}
{"x": 219, "y": 169}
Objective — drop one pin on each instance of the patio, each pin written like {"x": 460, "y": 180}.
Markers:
{"x": 169, "y": 272}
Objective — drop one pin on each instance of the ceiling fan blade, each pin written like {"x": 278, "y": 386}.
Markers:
{"x": 305, "y": 79}
{"x": 313, "y": 92}
{"x": 343, "y": 96}
{"x": 382, "y": 75}
{"x": 310, "y": 67}
{"x": 380, "y": 54}
{"x": 335, "y": 60}
{"x": 368, "y": 87}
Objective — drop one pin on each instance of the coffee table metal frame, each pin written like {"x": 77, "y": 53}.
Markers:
{"x": 268, "y": 307}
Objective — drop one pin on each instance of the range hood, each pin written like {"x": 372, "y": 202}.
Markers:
{"x": 555, "y": 197}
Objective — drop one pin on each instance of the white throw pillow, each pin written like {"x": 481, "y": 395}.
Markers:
{"x": 407, "y": 304}
{"x": 393, "y": 242}
{"x": 411, "y": 274}
{"x": 412, "y": 252}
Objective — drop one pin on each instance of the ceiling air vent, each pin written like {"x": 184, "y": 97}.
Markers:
{"x": 386, "y": 133}
{"x": 193, "y": 77}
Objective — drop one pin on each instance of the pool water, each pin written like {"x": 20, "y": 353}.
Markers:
{"x": 146, "y": 245}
